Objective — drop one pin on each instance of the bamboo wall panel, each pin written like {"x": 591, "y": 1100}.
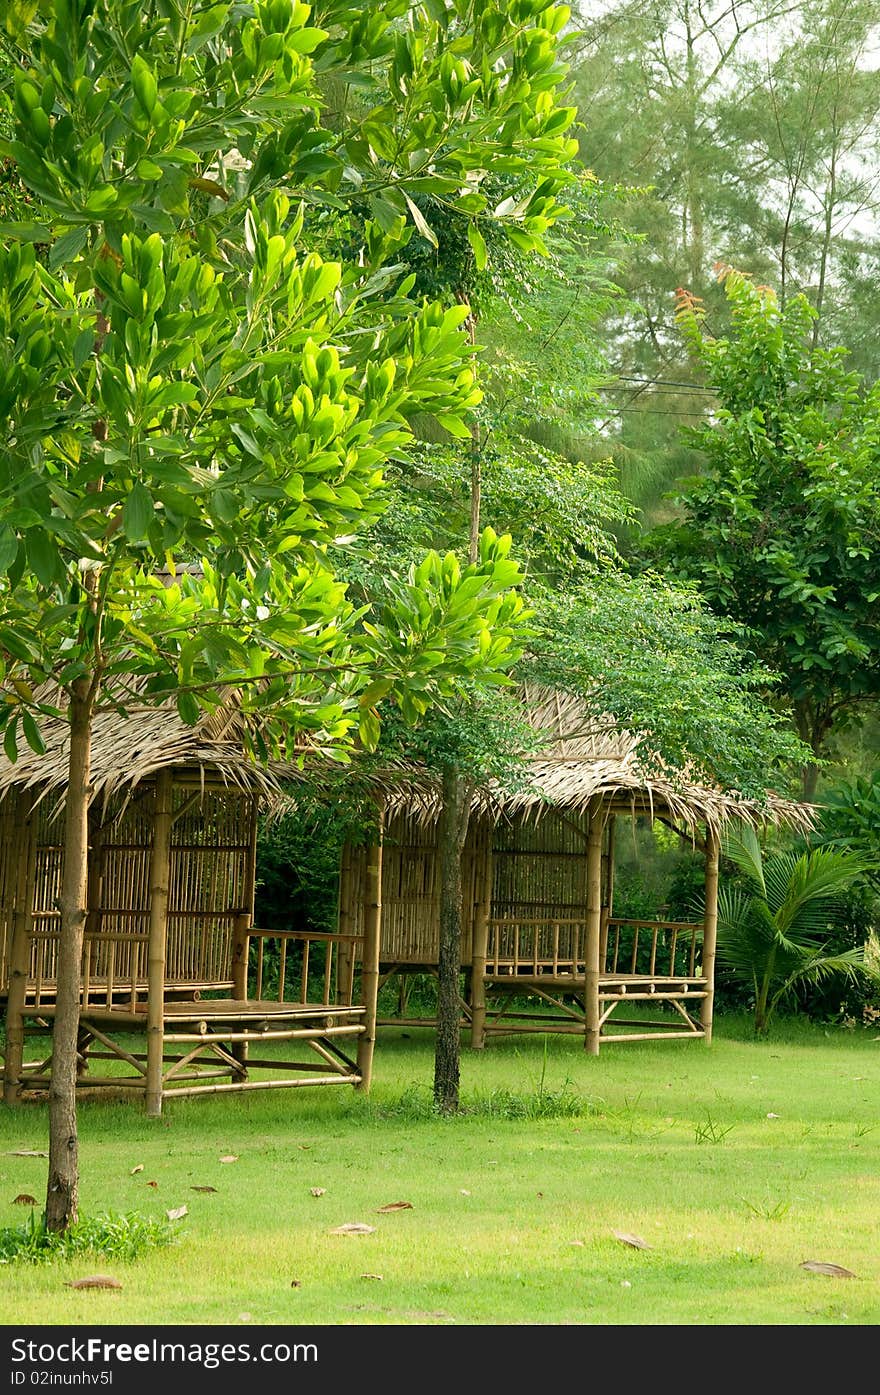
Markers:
{"x": 410, "y": 893}
{"x": 209, "y": 886}
{"x": 539, "y": 873}
{"x": 10, "y": 825}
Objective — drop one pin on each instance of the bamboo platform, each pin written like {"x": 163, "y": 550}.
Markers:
{"x": 179, "y": 993}
{"x": 210, "y": 1045}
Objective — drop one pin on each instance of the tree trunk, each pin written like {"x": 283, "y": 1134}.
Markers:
{"x": 452, "y": 833}
{"x": 63, "y": 1185}
{"x": 451, "y": 838}
{"x": 810, "y": 779}
{"x": 694, "y": 234}
{"x": 813, "y": 723}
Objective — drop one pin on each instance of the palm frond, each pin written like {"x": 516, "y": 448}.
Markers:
{"x": 819, "y": 968}
{"x": 742, "y": 847}
{"x": 822, "y": 875}
{"x": 744, "y": 936}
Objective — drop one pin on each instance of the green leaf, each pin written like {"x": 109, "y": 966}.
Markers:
{"x": 26, "y": 232}
{"x": 144, "y": 84}
{"x": 419, "y": 219}
{"x": 82, "y": 347}
{"x": 8, "y": 547}
{"x": 374, "y": 692}
{"x": 137, "y": 513}
{"x": 478, "y": 246}
{"x": 67, "y": 247}
{"x": 454, "y": 425}
{"x": 369, "y": 729}
{"x": 188, "y": 708}
{"x": 42, "y": 557}
{"x": 15, "y": 645}
{"x": 10, "y": 742}
{"x": 32, "y": 734}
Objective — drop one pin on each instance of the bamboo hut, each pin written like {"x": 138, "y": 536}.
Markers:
{"x": 538, "y": 917}
{"x": 170, "y": 951}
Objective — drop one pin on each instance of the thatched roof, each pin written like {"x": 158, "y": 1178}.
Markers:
{"x": 586, "y": 756}
{"x": 583, "y": 757}
{"x": 129, "y": 748}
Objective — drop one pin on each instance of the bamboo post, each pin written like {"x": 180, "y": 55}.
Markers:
{"x": 370, "y": 957}
{"x": 480, "y": 947}
{"x": 160, "y": 862}
{"x": 24, "y": 882}
{"x": 594, "y": 930}
{"x": 240, "y": 946}
{"x": 710, "y": 931}
{"x": 241, "y": 942}
{"x": 345, "y": 964}
{"x": 608, "y": 887}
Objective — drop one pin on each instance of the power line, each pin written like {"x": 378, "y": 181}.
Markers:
{"x": 660, "y": 392}
{"x": 665, "y": 382}
{"x": 655, "y": 412}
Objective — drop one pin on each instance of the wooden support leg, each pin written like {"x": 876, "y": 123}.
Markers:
{"x": 594, "y": 931}
{"x": 370, "y": 960}
{"x": 482, "y": 912}
{"x": 19, "y": 963}
{"x": 159, "y": 885}
{"x": 240, "y": 951}
{"x": 710, "y": 931}
{"x": 83, "y": 1042}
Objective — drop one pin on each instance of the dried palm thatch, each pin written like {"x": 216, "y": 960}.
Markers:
{"x": 129, "y": 747}
{"x": 586, "y": 756}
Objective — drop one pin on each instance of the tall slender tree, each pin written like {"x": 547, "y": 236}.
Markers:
{"x": 183, "y": 379}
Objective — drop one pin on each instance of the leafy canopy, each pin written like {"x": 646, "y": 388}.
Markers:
{"x": 781, "y": 528}
{"x": 186, "y": 386}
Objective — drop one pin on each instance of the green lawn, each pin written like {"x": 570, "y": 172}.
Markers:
{"x": 734, "y": 1164}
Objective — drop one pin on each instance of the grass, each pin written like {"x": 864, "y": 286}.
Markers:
{"x": 734, "y": 1164}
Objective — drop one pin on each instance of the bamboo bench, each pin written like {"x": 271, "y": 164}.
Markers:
{"x": 204, "y": 1028}
{"x": 652, "y": 962}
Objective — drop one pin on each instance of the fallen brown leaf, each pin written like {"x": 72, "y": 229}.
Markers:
{"x": 136, "y": 1170}
{"x": 319, "y": 1191}
{"x": 835, "y": 1271}
{"x": 152, "y": 1184}
{"x": 353, "y": 1228}
{"x": 229, "y": 1157}
{"x": 371, "y": 1276}
{"x": 94, "y": 1281}
{"x": 463, "y": 1191}
{"x": 395, "y": 1206}
{"x": 177, "y": 1213}
{"x": 203, "y": 1189}
{"x": 24, "y": 1199}
{"x": 296, "y": 1283}
{"x": 635, "y": 1241}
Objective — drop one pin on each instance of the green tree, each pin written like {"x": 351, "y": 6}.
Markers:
{"x": 648, "y": 655}
{"x": 184, "y": 380}
{"x": 781, "y": 530}
{"x": 773, "y": 930}
{"x": 803, "y": 125}
{"x": 740, "y": 132}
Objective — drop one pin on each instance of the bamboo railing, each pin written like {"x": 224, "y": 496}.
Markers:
{"x": 556, "y": 948}
{"x": 306, "y": 966}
